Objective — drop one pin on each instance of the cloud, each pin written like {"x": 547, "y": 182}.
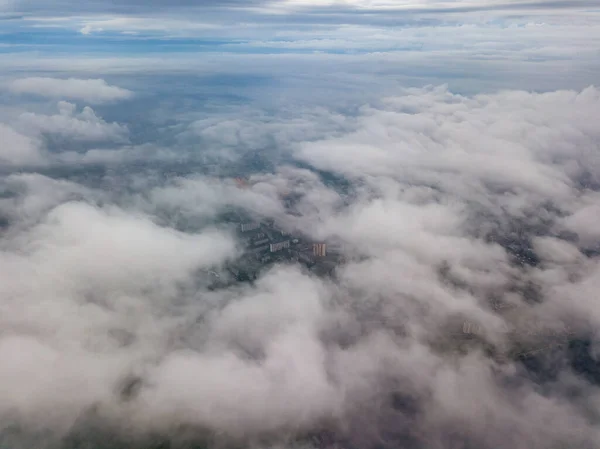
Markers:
{"x": 314, "y": 6}
{"x": 423, "y": 134}
{"x": 93, "y": 91}
{"x": 137, "y": 24}
{"x": 445, "y": 206}
{"x": 118, "y": 156}
{"x": 84, "y": 126}
{"x": 471, "y": 205}
{"x": 18, "y": 149}
{"x": 30, "y": 135}
{"x": 109, "y": 253}
{"x": 582, "y": 220}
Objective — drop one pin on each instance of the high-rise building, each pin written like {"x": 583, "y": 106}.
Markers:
{"x": 259, "y": 242}
{"x": 274, "y": 247}
{"x": 471, "y": 328}
{"x": 306, "y": 257}
{"x": 245, "y": 227}
{"x": 319, "y": 249}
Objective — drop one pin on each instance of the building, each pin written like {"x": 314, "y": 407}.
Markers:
{"x": 337, "y": 248}
{"x": 280, "y": 231}
{"x": 274, "y": 247}
{"x": 260, "y": 242}
{"x": 319, "y": 249}
{"x": 246, "y": 269}
{"x": 323, "y": 268}
{"x": 245, "y": 227}
{"x": 471, "y": 328}
{"x": 306, "y": 257}
{"x": 260, "y": 249}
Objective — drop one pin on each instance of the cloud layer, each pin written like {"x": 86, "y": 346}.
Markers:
{"x": 91, "y": 90}
{"x": 448, "y": 209}
{"x": 68, "y": 124}
{"x": 461, "y": 312}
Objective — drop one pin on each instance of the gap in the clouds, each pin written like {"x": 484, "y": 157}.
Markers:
{"x": 57, "y": 42}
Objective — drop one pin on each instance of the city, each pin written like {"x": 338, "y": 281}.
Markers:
{"x": 265, "y": 245}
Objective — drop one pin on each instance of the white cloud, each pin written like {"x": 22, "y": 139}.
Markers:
{"x": 144, "y": 24}
{"x": 448, "y": 195}
{"x": 88, "y": 90}
{"x": 554, "y": 250}
{"x": 110, "y": 156}
{"x": 93, "y": 288}
{"x": 203, "y": 198}
{"x": 70, "y": 124}
{"x": 394, "y": 4}
{"x": 17, "y": 149}
{"x": 35, "y": 195}
{"x": 516, "y": 142}
{"x": 584, "y": 218}
{"x": 110, "y": 255}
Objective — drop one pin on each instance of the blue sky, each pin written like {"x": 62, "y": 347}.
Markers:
{"x": 503, "y": 44}
{"x": 186, "y": 60}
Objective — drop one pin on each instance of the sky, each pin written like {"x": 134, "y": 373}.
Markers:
{"x": 449, "y": 148}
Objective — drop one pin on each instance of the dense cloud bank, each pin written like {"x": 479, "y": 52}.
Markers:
{"x": 449, "y": 209}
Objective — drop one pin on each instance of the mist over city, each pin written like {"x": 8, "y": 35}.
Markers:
{"x": 311, "y": 224}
